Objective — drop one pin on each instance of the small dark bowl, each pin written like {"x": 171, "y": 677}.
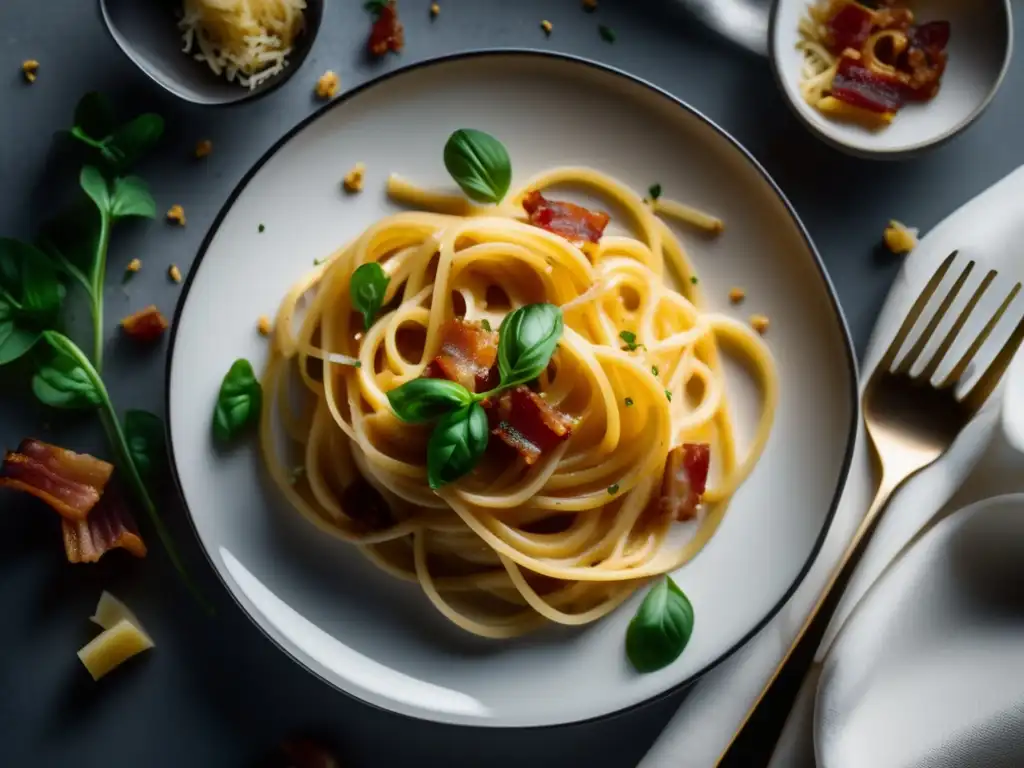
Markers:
{"x": 147, "y": 32}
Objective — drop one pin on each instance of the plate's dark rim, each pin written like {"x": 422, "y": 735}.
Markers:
{"x": 853, "y": 393}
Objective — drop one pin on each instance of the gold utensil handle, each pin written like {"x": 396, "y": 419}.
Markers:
{"x": 766, "y": 715}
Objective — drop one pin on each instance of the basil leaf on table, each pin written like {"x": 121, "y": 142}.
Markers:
{"x": 15, "y": 341}
{"x": 31, "y": 295}
{"x": 63, "y": 383}
{"x": 238, "y": 402}
{"x": 94, "y": 116}
{"x": 96, "y": 187}
{"x": 661, "y": 628}
{"x": 422, "y": 400}
{"x": 479, "y": 163}
{"x": 144, "y": 434}
{"x": 456, "y": 444}
{"x": 131, "y": 198}
{"x": 527, "y": 339}
{"x": 131, "y": 141}
{"x": 367, "y": 289}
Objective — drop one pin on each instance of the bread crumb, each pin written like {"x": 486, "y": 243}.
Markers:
{"x": 434, "y": 10}
{"x": 759, "y": 323}
{"x": 174, "y": 273}
{"x": 736, "y": 295}
{"x": 203, "y": 148}
{"x": 176, "y": 215}
{"x": 133, "y": 266}
{"x": 263, "y": 325}
{"x": 900, "y": 239}
{"x": 327, "y": 85}
{"x": 546, "y": 26}
{"x": 353, "y": 181}
{"x": 29, "y": 67}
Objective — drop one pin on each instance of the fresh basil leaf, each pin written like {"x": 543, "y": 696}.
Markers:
{"x": 479, "y": 163}
{"x": 95, "y": 187}
{"x": 72, "y": 235}
{"x": 367, "y": 289}
{"x": 526, "y": 341}
{"x": 423, "y": 400}
{"x": 135, "y": 138}
{"x": 14, "y": 341}
{"x": 661, "y": 628}
{"x": 63, "y": 383}
{"x": 456, "y": 444}
{"x": 41, "y": 290}
{"x": 144, "y": 434}
{"x": 131, "y": 198}
{"x": 238, "y": 402}
{"x": 94, "y": 116}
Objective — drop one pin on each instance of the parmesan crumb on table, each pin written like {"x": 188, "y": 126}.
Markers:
{"x": 203, "y": 148}
{"x": 133, "y": 266}
{"x": 546, "y": 26}
{"x": 898, "y": 238}
{"x": 434, "y": 10}
{"x": 589, "y": 5}
{"x": 327, "y": 85}
{"x": 759, "y": 323}
{"x": 29, "y": 67}
{"x": 263, "y": 325}
{"x": 353, "y": 181}
{"x": 174, "y": 273}
{"x": 736, "y": 295}
{"x": 176, "y": 215}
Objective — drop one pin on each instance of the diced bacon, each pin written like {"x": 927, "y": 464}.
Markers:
{"x": 573, "y": 222}
{"x": 387, "y": 33}
{"x": 849, "y": 27}
{"x": 527, "y": 423}
{"x": 108, "y": 526}
{"x": 686, "y": 479}
{"x": 145, "y": 325}
{"x": 468, "y": 354}
{"x": 71, "y": 483}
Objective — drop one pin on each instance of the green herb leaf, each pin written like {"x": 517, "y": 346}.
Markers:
{"x": 64, "y": 383}
{"x": 654, "y": 370}
{"x": 131, "y": 198}
{"x": 375, "y": 6}
{"x": 606, "y": 32}
{"x": 485, "y": 324}
{"x": 422, "y": 400}
{"x": 14, "y": 341}
{"x": 238, "y": 402}
{"x": 367, "y": 289}
{"x": 95, "y": 187}
{"x": 629, "y": 402}
{"x": 630, "y": 338}
{"x": 668, "y": 395}
{"x": 654, "y": 191}
{"x": 527, "y": 340}
{"x": 94, "y": 116}
{"x": 131, "y": 141}
{"x": 661, "y": 628}
{"x": 456, "y": 444}
{"x": 694, "y": 279}
{"x": 31, "y": 295}
{"x": 144, "y": 434}
{"x": 479, "y": 163}
{"x": 613, "y": 488}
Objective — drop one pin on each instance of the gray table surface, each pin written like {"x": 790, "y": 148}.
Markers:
{"x": 216, "y": 692}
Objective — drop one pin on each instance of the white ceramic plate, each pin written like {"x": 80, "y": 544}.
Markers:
{"x": 380, "y": 639}
{"x": 927, "y": 671}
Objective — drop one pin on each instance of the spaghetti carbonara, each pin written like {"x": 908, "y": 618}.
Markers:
{"x": 566, "y": 529}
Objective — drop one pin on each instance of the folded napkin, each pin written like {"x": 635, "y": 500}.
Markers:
{"x": 988, "y": 230}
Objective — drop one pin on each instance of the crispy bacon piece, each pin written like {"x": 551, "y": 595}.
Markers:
{"x": 468, "y": 355}
{"x": 387, "y": 33}
{"x": 108, "y": 526}
{"x": 859, "y": 86}
{"x": 145, "y": 325}
{"x": 573, "y": 222}
{"x": 71, "y": 483}
{"x": 686, "y": 478}
{"x": 849, "y": 27}
{"x": 527, "y": 423}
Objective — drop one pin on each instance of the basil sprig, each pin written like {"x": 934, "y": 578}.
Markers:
{"x": 119, "y": 146}
{"x": 367, "y": 288}
{"x": 31, "y": 296}
{"x": 661, "y": 628}
{"x": 479, "y": 163}
{"x": 526, "y": 341}
{"x": 238, "y": 402}
{"x": 144, "y": 434}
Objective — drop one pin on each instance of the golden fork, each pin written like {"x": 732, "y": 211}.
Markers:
{"x": 910, "y": 422}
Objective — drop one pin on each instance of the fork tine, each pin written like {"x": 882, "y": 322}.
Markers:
{"x": 990, "y": 378}
{"x": 958, "y": 370}
{"x": 926, "y": 335}
{"x": 915, "y": 312}
{"x": 944, "y": 347}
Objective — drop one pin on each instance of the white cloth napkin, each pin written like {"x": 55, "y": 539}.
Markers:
{"x": 989, "y": 230}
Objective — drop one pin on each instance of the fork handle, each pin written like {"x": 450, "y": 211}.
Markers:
{"x": 779, "y": 695}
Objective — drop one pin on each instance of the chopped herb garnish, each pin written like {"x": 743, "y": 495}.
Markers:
{"x": 630, "y": 338}
{"x": 375, "y": 6}
{"x": 613, "y": 489}
{"x": 654, "y": 191}
{"x": 606, "y": 32}
{"x": 668, "y": 395}
{"x": 629, "y": 401}
{"x": 486, "y": 324}
{"x": 318, "y": 262}
{"x": 261, "y": 228}
{"x": 694, "y": 279}
{"x": 654, "y": 370}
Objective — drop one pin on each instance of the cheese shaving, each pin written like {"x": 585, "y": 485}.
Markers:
{"x": 247, "y": 41}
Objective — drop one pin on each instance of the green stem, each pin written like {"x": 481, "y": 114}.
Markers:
{"x": 99, "y": 272}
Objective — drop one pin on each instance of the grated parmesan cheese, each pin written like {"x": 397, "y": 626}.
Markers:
{"x": 244, "y": 40}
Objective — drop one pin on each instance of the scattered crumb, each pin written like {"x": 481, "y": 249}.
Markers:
{"x": 759, "y": 323}
{"x": 176, "y": 215}
{"x": 204, "y": 148}
{"x": 546, "y": 26}
{"x": 263, "y": 325}
{"x": 133, "y": 266}
{"x": 435, "y": 9}
{"x": 607, "y": 33}
{"x": 589, "y": 5}
{"x": 353, "y": 181}
{"x": 174, "y": 273}
{"x": 29, "y": 67}
{"x": 327, "y": 85}
{"x": 900, "y": 239}
{"x": 736, "y": 295}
